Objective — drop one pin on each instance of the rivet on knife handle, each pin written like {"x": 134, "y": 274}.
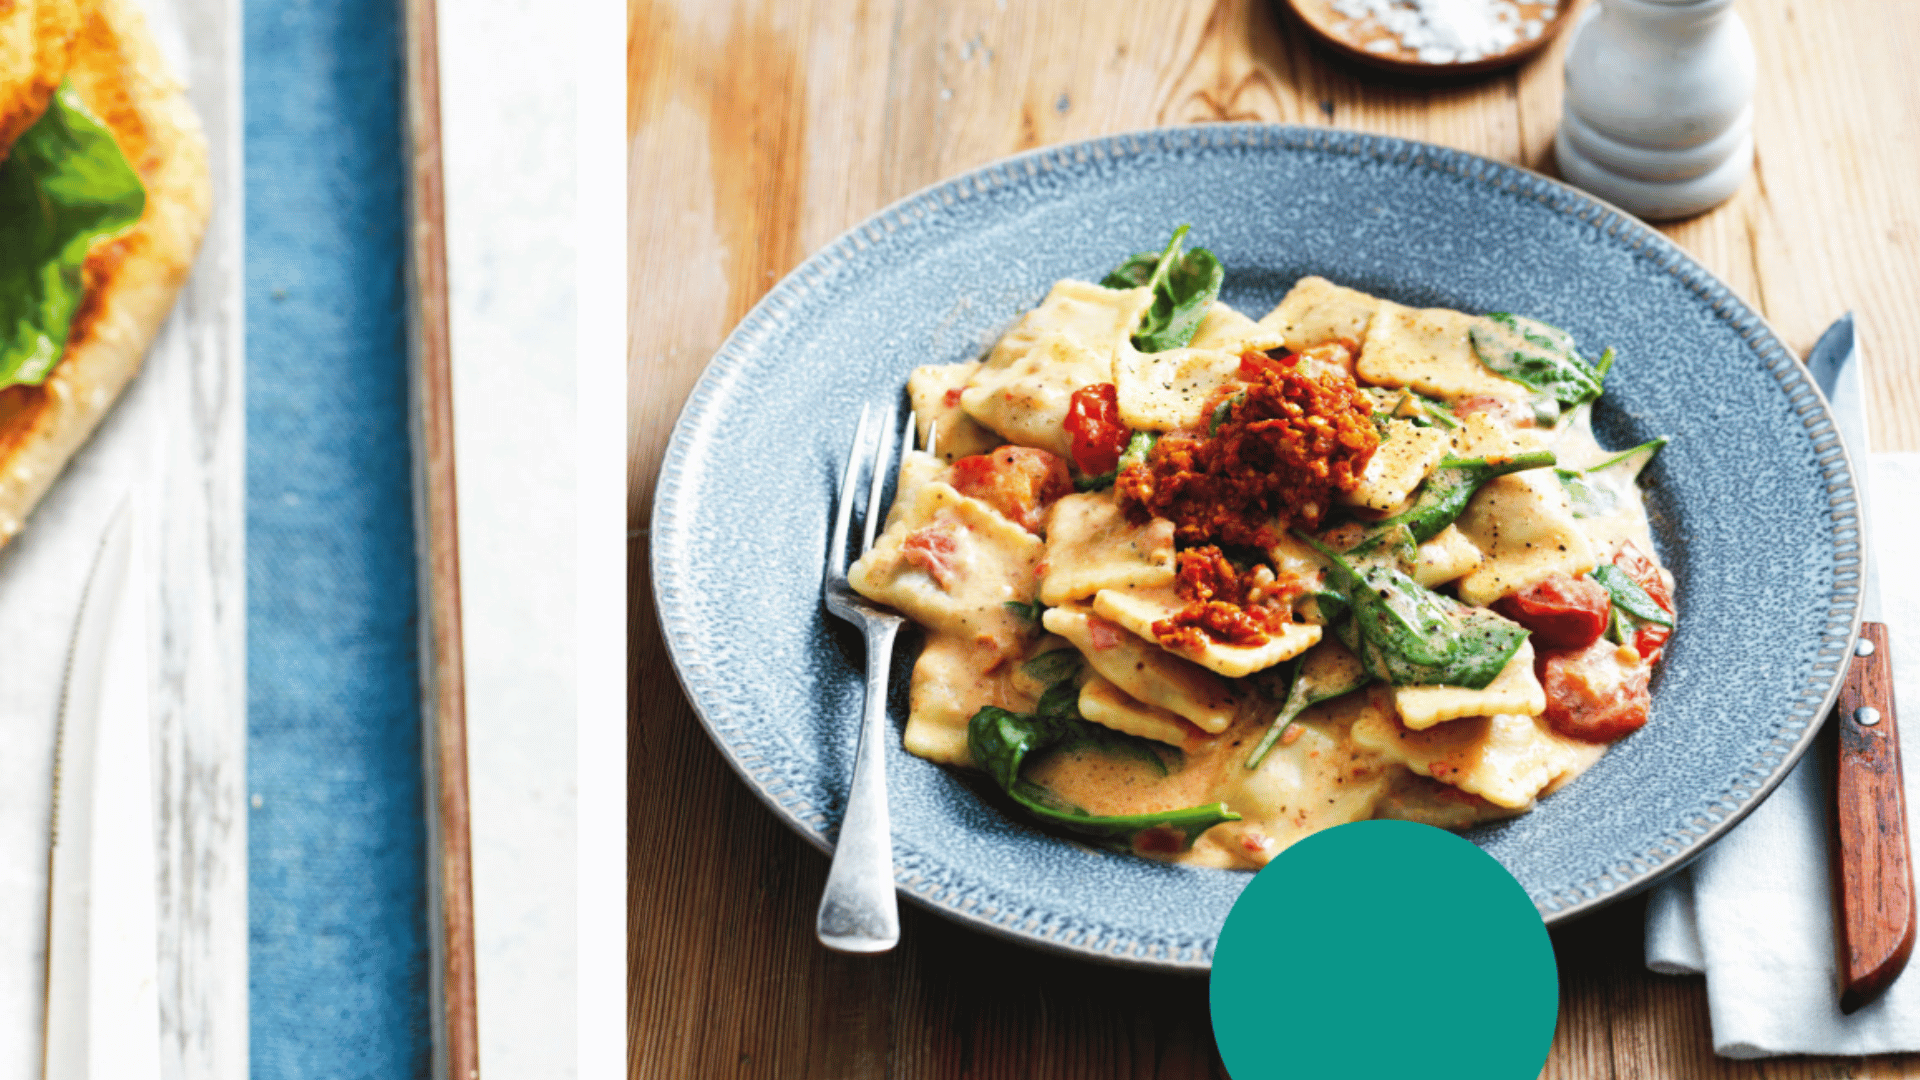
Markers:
{"x": 1873, "y": 869}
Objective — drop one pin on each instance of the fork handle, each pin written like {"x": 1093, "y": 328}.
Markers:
{"x": 859, "y": 912}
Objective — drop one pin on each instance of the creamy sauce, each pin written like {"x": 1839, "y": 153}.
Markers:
{"x": 1576, "y": 448}
{"x": 1425, "y": 754}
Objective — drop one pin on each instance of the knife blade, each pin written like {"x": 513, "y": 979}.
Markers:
{"x": 1872, "y": 861}
{"x": 103, "y": 1014}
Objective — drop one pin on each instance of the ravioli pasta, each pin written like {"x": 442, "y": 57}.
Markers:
{"x": 1334, "y": 563}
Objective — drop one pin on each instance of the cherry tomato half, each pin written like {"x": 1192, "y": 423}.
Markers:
{"x": 1592, "y": 696}
{"x": 1562, "y": 612}
{"x": 1018, "y": 481}
{"x": 1093, "y": 419}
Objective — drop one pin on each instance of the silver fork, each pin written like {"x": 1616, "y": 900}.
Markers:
{"x": 859, "y": 912}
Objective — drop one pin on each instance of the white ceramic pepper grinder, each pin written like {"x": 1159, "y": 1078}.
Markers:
{"x": 1659, "y": 105}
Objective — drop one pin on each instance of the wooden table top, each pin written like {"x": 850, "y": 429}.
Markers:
{"x": 761, "y": 130}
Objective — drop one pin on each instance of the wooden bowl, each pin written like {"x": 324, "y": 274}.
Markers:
{"x": 1351, "y": 38}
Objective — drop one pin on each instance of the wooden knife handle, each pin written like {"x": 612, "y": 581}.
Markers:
{"x": 1873, "y": 869}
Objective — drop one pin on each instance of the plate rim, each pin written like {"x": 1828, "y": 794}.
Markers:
{"x": 1679, "y": 844}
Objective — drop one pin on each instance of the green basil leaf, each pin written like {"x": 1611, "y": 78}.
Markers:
{"x": 1000, "y": 742}
{"x": 1095, "y": 483}
{"x": 1539, "y": 356}
{"x": 1629, "y": 597}
{"x": 63, "y": 185}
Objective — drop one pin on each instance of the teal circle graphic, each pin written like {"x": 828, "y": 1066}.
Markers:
{"x": 1384, "y": 949}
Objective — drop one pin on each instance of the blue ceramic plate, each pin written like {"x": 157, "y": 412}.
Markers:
{"x": 1752, "y": 503}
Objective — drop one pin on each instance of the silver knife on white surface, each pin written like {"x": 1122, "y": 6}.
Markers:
{"x": 103, "y": 1010}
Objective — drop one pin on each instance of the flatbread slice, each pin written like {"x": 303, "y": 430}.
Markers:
{"x": 132, "y": 279}
{"x": 36, "y": 45}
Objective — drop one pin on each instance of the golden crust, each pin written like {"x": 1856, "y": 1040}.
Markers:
{"x": 132, "y": 279}
{"x": 36, "y": 43}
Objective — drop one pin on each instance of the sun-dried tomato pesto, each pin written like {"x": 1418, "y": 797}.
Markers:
{"x": 1225, "y": 604}
{"x": 1287, "y": 442}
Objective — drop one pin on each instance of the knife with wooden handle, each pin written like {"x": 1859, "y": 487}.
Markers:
{"x": 1872, "y": 860}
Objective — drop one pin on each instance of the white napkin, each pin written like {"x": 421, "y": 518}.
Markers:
{"x": 1755, "y": 912}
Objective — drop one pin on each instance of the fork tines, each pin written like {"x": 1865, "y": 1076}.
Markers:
{"x": 881, "y": 462}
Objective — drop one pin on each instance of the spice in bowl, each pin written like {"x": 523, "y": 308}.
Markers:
{"x": 1434, "y": 35}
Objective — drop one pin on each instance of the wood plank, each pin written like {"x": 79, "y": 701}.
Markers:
{"x": 451, "y": 992}
{"x": 761, "y": 131}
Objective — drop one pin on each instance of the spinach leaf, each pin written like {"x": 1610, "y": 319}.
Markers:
{"x": 1135, "y": 272}
{"x": 1484, "y": 643}
{"x": 1631, "y": 461}
{"x": 1443, "y": 497}
{"x": 1062, "y": 699}
{"x": 1629, "y": 597}
{"x": 1137, "y": 449}
{"x": 1224, "y": 412}
{"x": 1062, "y": 702}
{"x": 1539, "y": 356}
{"x": 1135, "y": 454}
{"x": 1002, "y": 741}
{"x": 1620, "y": 628}
{"x": 1030, "y": 610}
{"x": 1593, "y": 498}
{"x": 1322, "y": 673}
{"x": 1411, "y": 620}
{"x": 1436, "y": 412}
{"x": 63, "y": 186}
{"x": 1323, "y": 607}
{"x": 1184, "y": 286}
{"x": 1408, "y": 635}
{"x": 1411, "y": 405}
{"x": 1053, "y": 667}
{"x": 1383, "y": 427}
{"x": 1586, "y": 499}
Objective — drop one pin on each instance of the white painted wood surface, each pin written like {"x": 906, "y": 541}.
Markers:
{"x": 176, "y": 442}
{"x": 199, "y": 473}
{"x": 507, "y": 129}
